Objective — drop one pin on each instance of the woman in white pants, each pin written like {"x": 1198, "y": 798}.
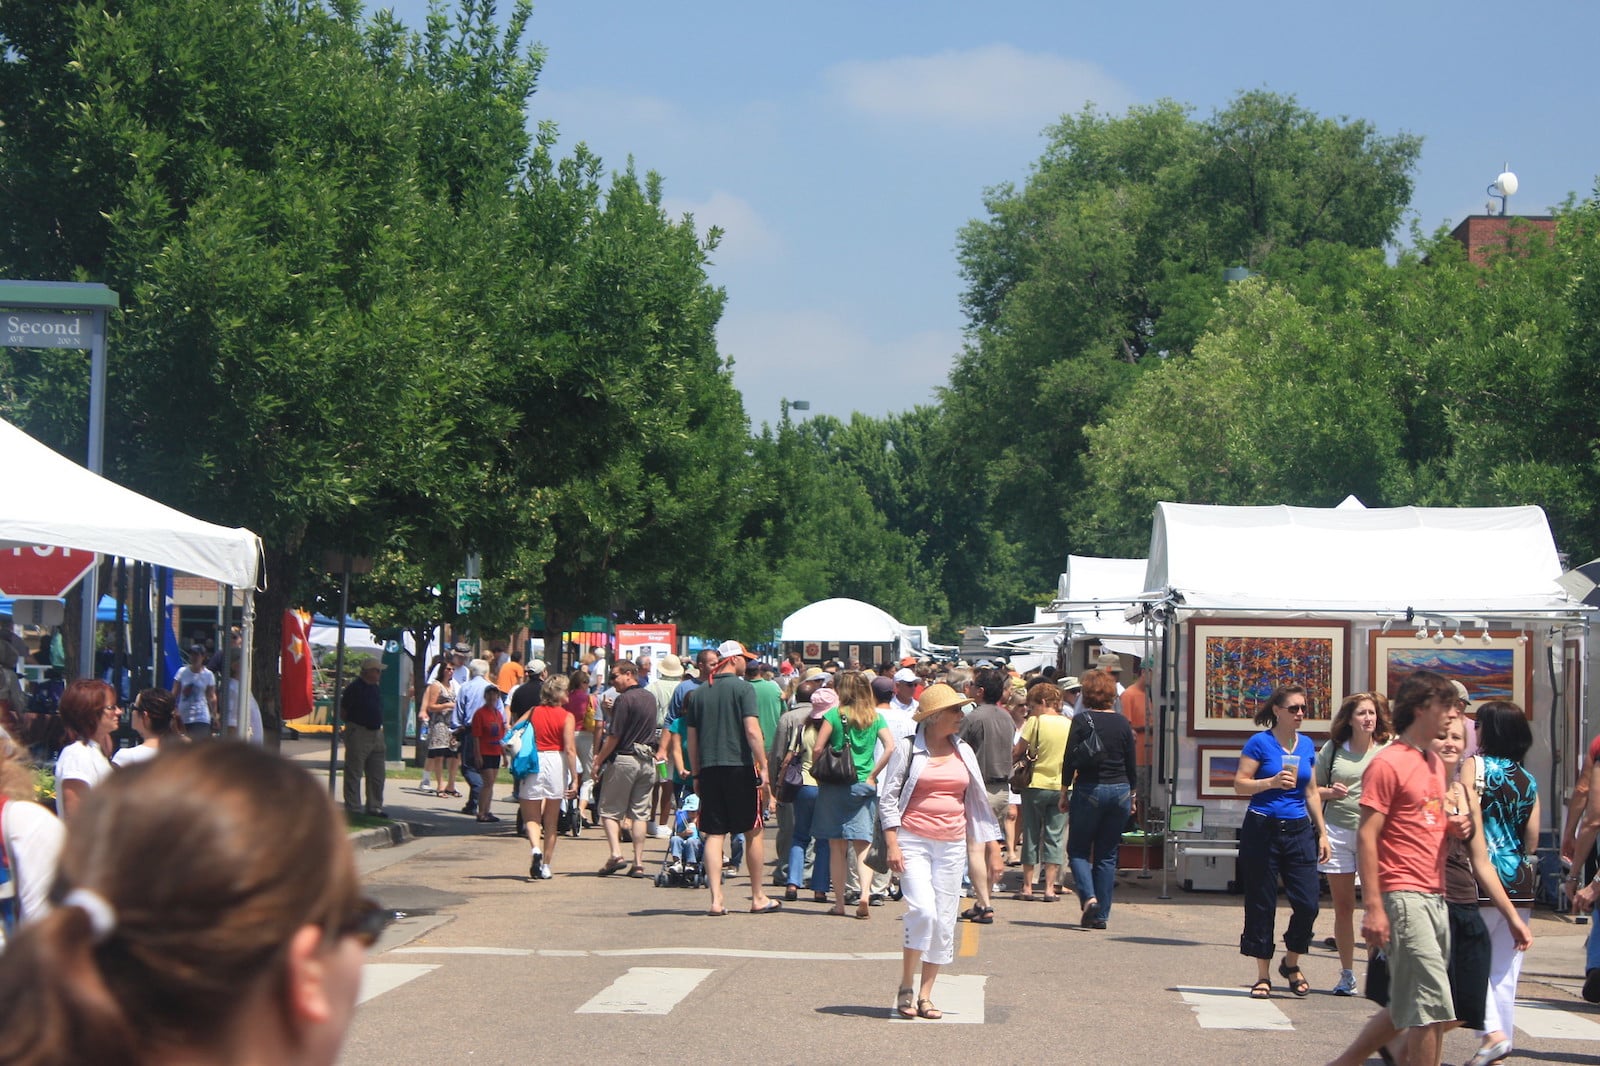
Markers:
{"x": 1509, "y": 799}
{"x": 931, "y": 799}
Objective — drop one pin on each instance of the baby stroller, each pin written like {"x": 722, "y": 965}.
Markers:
{"x": 684, "y": 866}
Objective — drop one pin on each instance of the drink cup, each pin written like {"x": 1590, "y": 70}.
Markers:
{"x": 1292, "y": 764}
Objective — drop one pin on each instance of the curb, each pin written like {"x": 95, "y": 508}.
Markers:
{"x": 383, "y": 836}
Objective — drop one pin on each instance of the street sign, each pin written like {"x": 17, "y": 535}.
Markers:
{"x": 42, "y": 571}
{"x": 468, "y": 592}
{"x": 47, "y": 329}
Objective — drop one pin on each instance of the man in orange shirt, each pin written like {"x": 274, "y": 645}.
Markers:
{"x": 1136, "y": 708}
{"x": 511, "y": 674}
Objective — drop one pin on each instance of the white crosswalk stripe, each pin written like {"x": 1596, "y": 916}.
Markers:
{"x": 646, "y": 990}
{"x": 1548, "y": 1023}
{"x": 380, "y": 977}
{"x": 960, "y": 997}
{"x": 1232, "y": 1008}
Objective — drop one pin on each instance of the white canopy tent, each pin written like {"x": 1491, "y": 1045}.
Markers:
{"x": 53, "y": 501}
{"x": 839, "y": 620}
{"x": 1371, "y": 570}
{"x": 1092, "y": 598}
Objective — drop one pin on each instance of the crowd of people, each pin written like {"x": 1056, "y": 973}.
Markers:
{"x": 915, "y": 780}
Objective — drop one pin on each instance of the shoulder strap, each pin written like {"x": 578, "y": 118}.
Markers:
{"x": 911, "y": 753}
{"x": 1331, "y": 751}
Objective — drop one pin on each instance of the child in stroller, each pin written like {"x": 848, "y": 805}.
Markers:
{"x": 683, "y": 866}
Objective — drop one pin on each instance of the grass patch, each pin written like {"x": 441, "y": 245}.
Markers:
{"x": 365, "y": 821}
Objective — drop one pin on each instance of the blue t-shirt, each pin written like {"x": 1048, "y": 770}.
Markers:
{"x": 1278, "y": 802}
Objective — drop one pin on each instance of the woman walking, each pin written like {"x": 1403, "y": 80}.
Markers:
{"x": 1360, "y": 728}
{"x": 1282, "y": 838}
{"x": 1101, "y": 796}
{"x": 804, "y": 804}
{"x": 540, "y": 794}
{"x": 581, "y": 706}
{"x": 933, "y": 798}
{"x": 844, "y": 813}
{"x": 437, "y": 703}
{"x": 1466, "y": 866}
{"x": 89, "y": 712}
{"x": 31, "y": 838}
{"x": 1508, "y": 796}
{"x": 488, "y": 728}
{"x": 1044, "y": 819}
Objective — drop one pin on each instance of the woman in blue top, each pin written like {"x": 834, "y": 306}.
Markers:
{"x": 1282, "y": 837}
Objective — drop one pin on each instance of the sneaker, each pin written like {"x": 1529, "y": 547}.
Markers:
{"x": 544, "y": 872}
{"x": 426, "y": 785}
{"x": 535, "y": 862}
{"x": 1347, "y": 983}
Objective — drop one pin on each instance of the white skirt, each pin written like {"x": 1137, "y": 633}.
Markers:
{"x": 550, "y": 783}
{"x": 1342, "y": 844}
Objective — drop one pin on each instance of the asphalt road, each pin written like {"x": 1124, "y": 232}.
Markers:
{"x": 489, "y": 967}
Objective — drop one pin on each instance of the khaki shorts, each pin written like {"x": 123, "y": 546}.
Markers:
{"x": 1419, "y": 950}
{"x": 999, "y": 800}
{"x": 625, "y": 789}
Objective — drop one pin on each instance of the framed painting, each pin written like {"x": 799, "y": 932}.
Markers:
{"x": 1497, "y": 670}
{"x": 1214, "y": 778}
{"x": 1236, "y": 663}
{"x": 811, "y": 651}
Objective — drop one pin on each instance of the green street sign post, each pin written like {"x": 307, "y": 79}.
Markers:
{"x": 468, "y": 591}
{"x": 69, "y": 314}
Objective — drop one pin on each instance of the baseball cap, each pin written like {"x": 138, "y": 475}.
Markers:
{"x": 1110, "y": 662}
{"x": 882, "y": 688}
{"x": 906, "y": 674}
{"x": 729, "y": 648}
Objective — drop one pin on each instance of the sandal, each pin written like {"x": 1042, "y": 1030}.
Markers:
{"x": 790, "y": 894}
{"x": 451, "y": 792}
{"x": 837, "y": 912}
{"x": 441, "y": 793}
{"x": 1297, "y": 980}
{"x": 903, "y": 1003}
{"x": 975, "y": 913}
{"x": 863, "y": 910}
{"x": 1026, "y": 897}
{"x": 1262, "y": 989}
{"x": 926, "y": 1009}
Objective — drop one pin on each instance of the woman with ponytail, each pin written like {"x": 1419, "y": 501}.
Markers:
{"x": 206, "y": 911}
{"x": 155, "y": 714}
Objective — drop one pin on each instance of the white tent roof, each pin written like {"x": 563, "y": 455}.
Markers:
{"x": 841, "y": 619}
{"x": 51, "y": 500}
{"x": 1465, "y": 560}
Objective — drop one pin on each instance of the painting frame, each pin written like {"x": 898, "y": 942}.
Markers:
{"x": 1507, "y": 652}
{"x": 1324, "y": 669}
{"x": 1215, "y": 766}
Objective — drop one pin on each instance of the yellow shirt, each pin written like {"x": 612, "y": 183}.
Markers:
{"x": 1046, "y": 734}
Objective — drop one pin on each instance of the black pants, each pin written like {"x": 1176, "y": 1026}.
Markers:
{"x": 1468, "y": 963}
{"x": 1270, "y": 850}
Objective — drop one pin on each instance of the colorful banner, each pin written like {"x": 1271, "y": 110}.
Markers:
{"x": 294, "y": 669}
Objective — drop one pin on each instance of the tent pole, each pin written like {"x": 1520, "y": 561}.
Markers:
{"x": 338, "y": 674}
{"x": 247, "y": 638}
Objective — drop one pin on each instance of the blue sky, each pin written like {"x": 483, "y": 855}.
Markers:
{"x": 843, "y": 145}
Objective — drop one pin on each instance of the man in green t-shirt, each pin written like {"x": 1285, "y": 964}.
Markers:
{"x": 769, "y": 708}
{"x": 728, "y": 756}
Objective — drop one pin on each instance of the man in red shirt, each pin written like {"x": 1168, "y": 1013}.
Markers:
{"x": 1400, "y": 851}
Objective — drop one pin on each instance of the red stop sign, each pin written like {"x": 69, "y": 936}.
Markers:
{"x": 42, "y": 571}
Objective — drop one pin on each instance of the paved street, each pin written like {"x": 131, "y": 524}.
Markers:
{"x": 490, "y": 967}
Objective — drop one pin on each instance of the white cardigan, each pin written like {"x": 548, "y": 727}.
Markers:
{"x": 981, "y": 823}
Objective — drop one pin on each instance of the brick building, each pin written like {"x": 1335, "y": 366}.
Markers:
{"x": 1484, "y": 235}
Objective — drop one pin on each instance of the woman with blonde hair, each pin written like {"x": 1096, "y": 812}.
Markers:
{"x": 1360, "y": 729}
{"x": 1044, "y": 818}
{"x": 30, "y": 843}
{"x": 540, "y": 794}
{"x": 844, "y": 813}
{"x": 207, "y": 911}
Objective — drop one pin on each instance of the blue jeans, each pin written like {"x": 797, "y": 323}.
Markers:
{"x": 1098, "y": 815}
{"x": 474, "y": 781}
{"x": 1593, "y": 959}
{"x": 805, "y": 805}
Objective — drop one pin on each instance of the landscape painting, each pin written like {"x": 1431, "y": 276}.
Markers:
{"x": 1218, "y": 766}
{"x": 1497, "y": 670}
{"x": 1237, "y": 663}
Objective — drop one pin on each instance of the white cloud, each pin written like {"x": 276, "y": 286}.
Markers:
{"x": 832, "y": 362}
{"x": 746, "y": 237}
{"x": 996, "y": 84}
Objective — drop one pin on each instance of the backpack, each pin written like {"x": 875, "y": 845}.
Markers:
{"x": 525, "y": 751}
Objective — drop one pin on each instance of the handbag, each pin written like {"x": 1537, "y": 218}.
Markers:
{"x": 1089, "y": 747}
{"x": 835, "y": 766}
{"x": 1377, "y": 988}
{"x": 1022, "y": 765}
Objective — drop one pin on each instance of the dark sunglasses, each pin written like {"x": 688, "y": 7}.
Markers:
{"x": 366, "y": 922}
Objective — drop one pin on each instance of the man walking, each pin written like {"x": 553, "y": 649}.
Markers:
{"x": 727, "y": 756}
{"x": 628, "y": 754}
{"x": 469, "y": 697}
{"x": 1400, "y": 851}
{"x": 361, "y": 706}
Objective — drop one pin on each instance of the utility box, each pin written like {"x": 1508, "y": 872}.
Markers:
{"x": 1208, "y": 866}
